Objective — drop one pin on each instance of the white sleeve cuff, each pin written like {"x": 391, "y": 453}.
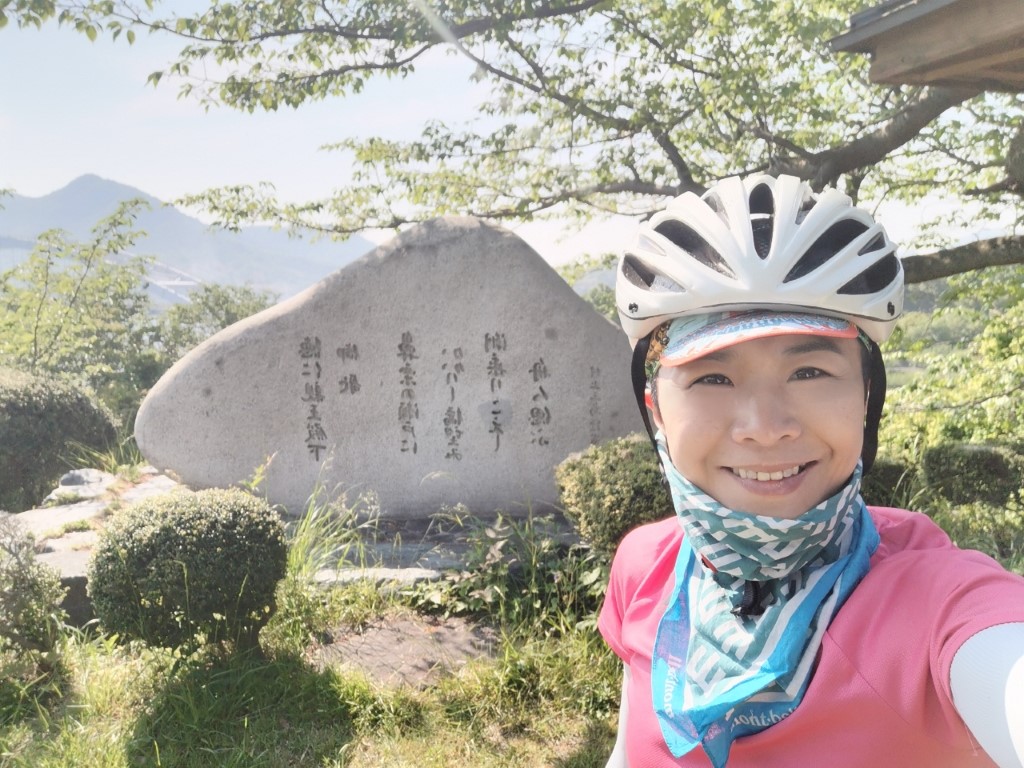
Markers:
{"x": 987, "y": 681}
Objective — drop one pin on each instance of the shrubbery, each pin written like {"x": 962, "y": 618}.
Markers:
{"x": 184, "y": 565}
{"x": 30, "y": 594}
{"x": 964, "y": 474}
{"x": 30, "y": 616}
{"x": 995, "y": 530}
{"x": 609, "y": 489}
{"x": 40, "y": 418}
{"x": 889, "y": 483}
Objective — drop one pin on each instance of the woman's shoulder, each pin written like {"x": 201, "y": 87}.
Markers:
{"x": 647, "y": 551}
{"x": 901, "y": 530}
{"x": 653, "y": 537}
{"x": 912, "y": 544}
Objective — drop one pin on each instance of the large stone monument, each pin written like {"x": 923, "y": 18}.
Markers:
{"x": 451, "y": 365}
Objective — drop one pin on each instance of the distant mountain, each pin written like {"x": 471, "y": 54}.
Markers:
{"x": 187, "y": 251}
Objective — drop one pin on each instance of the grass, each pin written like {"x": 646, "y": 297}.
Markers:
{"x": 64, "y": 498}
{"x": 547, "y": 698}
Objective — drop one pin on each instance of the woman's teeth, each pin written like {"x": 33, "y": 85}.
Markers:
{"x": 747, "y": 474}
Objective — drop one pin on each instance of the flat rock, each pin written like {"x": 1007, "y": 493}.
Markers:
{"x": 451, "y": 365}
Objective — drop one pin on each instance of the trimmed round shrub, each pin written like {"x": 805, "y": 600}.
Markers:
{"x": 39, "y": 420}
{"x": 963, "y": 473}
{"x": 611, "y": 488}
{"x": 888, "y": 484}
{"x": 183, "y": 566}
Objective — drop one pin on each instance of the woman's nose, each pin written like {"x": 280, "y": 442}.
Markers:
{"x": 765, "y": 416}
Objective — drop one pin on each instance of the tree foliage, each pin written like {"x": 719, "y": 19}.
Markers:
{"x": 593, "y": 106}
{"x": 209, "y": 309}
{"x": 80, "y": 310}
{"x": 973, "y": 377}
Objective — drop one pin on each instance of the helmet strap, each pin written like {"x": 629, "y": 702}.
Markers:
{"x": 876, "y": 400}
{"x": 638, "y": 371}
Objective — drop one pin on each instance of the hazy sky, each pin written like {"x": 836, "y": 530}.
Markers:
{"x": 69, "y": 107}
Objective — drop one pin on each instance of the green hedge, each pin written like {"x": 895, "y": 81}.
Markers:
{"x": 964, "y": 473}
{"x": 890, "y": 483}
{"x": 39, "y": 420}
{"x": 183, "y": 565}
{"x": 997, "y": 531}
{"x": 611, "y": 488}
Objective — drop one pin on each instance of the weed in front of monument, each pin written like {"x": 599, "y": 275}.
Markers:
{"x": 122, "y": 459}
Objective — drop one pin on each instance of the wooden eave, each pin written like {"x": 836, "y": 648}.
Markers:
{"x": 973, "y": 43}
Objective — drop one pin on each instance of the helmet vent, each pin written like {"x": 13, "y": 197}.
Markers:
{"x": 877, "y": 243}
{"x": 761, "y": 200}
{"x": 875, "y": 278}
{"x": 715, "y": 204}
{"x": 831, "y": 242}
{"x": 763, "y": 229}
{"x": 642, "y": 276}
{"x": 686, "y": 239}
{"x": 805, "y": 208}
{"x": 762, "y": 218}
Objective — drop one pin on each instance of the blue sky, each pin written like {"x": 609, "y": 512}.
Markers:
{"x": 69, "y": 106}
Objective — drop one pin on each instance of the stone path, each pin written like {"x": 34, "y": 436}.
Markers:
{"x": 409, "y": 649}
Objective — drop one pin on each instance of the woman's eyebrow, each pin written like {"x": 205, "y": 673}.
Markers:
{"x": 813, "y": 344}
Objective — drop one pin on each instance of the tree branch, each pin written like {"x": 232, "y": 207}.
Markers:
{"x": 824, "y": 168}
{"x": 994, "y": 252}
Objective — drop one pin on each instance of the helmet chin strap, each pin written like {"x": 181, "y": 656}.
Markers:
{"x": 639, "y": 376}
{"x": 876, "y": 401}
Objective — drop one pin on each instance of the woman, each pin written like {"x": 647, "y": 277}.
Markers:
{"x": 777, "y": 621}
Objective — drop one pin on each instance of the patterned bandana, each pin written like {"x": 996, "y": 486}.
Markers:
{"x": 716, "y": 675}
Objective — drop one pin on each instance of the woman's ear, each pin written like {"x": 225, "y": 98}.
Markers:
{"x": 652, "y": 406}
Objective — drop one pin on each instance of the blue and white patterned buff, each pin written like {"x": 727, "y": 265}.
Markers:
{"x": 717, "y": 676}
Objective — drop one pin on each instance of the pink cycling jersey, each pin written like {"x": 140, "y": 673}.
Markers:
{"x": 880, "y": 692}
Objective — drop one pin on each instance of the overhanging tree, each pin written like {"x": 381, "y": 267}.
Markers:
{"x": 594, "y": 107}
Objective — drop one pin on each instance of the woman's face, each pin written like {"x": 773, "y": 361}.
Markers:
{"x": 770, "y": 426}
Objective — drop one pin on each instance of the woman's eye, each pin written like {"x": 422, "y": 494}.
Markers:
{"x": 713, "y": 378}
{"x": 809, "y": 373}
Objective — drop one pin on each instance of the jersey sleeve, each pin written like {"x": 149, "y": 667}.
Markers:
{"x": 985, "y": 595}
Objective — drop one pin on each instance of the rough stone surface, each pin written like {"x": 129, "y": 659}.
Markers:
{"x": 452, "y": 365}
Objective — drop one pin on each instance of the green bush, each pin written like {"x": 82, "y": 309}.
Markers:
{"x": 30, "y": 594}
{"x": 997, "y": 531}
{"x": 40, "y": 419}
{"x": 31, "y": 621}
{"x": 963, "y": 473}
{"x": 609, "y": 489}
{"x": 182, "y": 567}
{"x": 889, "y": 483}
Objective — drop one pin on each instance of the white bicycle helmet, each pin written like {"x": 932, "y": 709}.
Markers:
{"x": 761, "y": 243}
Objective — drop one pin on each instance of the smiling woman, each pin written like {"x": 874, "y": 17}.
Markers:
{"x": 777, "y": 619}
